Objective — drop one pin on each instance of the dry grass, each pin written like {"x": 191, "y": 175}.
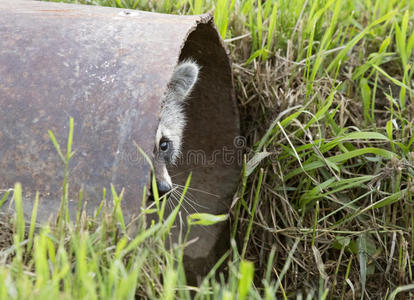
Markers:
{"x": 325, "y": 205}
{"x": 340, "y": 243}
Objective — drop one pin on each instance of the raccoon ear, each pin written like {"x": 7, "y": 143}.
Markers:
{"x": 184, "y": 77}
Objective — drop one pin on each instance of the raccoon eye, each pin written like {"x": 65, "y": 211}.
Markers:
{"x": 164, "y": 143}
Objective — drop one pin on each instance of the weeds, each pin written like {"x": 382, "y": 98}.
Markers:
{"x": 325, "y": 204}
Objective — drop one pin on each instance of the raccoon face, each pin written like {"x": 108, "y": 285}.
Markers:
{"x": 172, "y": 122}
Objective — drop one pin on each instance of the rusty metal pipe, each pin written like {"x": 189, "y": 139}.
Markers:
{"x": 108, "y": 69}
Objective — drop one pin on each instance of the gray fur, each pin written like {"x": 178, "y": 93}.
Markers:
{"x": 172, "y": 121}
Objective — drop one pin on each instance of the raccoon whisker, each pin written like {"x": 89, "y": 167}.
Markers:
{"x": 183, "y": 206}
{"x": 189, "y": 197}
{"x": 170, "y": 206}
{"x": 197, "y": 190}
{"x": 175, "y": 196}
{"x": 192, "y": 207}
{"x": 176, "y": 192}
{"x": 178, "y": 174}
{"x": 171, "y": 203}
{"x": 190, "y": 203}
{"x": 173, "y": 199}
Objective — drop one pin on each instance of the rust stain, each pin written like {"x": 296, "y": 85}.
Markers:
{"x": 108, "y": 69}
{"x": 96, "y": 66}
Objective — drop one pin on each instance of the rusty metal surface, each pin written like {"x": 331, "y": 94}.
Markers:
{"x": 105, "y": 68}
{"x": 108, "y": 69}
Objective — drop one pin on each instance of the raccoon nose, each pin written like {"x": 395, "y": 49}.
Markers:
{"x": 163, "y": 187}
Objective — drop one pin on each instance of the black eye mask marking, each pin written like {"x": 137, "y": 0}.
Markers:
{"x": 166, "y": 148}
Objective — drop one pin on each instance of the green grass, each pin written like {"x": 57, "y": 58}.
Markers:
{"x": 325, "y": 203}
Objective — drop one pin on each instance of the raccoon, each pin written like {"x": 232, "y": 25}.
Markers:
{"x": 169, "y": 136}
